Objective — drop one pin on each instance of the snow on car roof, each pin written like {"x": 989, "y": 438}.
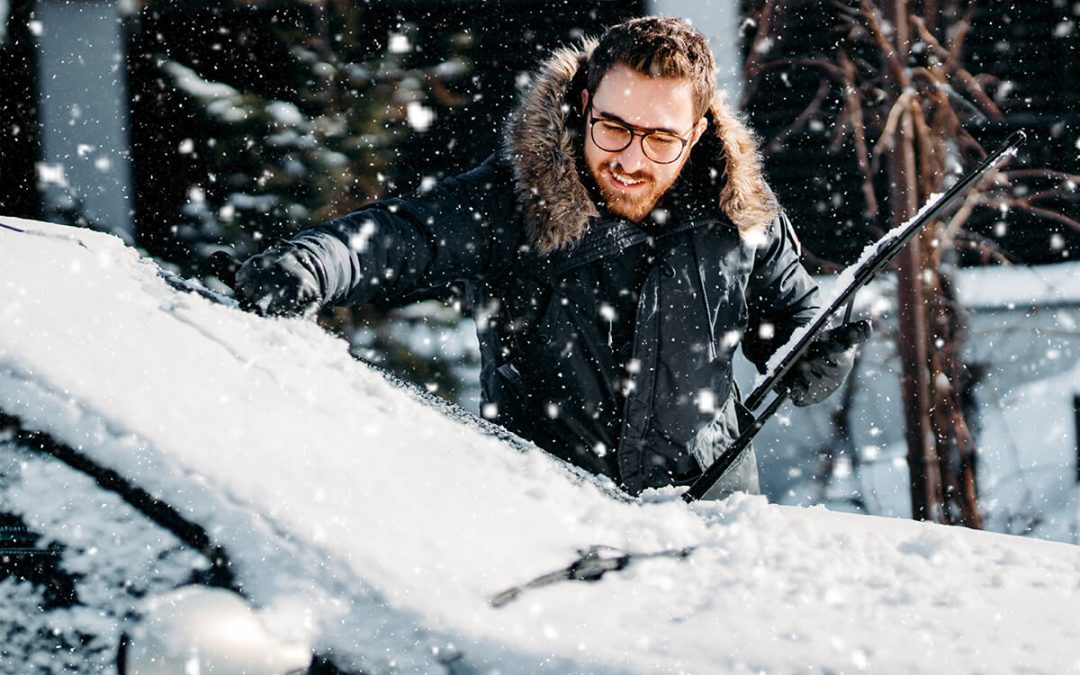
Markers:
{"x": 384, "y": 528}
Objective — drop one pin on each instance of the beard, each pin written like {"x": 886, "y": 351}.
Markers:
{"x": 635, "y": 203}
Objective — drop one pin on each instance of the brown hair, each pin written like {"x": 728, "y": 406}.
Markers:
{"x": 657, "y": 47}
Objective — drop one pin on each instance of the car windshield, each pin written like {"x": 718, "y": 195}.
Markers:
{"x": 356, "y": 513}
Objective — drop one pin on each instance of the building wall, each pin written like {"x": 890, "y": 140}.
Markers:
{"x": 19, "y": 133}
{"x": 720, "y": 21}
{"x": 84, "y": 114}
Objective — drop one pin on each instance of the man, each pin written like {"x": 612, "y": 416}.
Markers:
{"x": 617, "y": 251}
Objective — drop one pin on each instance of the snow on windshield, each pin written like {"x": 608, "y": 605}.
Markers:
{"x": 383, "y": 529}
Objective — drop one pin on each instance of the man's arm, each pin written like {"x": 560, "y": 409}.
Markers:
{"x": 780, "y": 296}
{"x": 459, "y": 229}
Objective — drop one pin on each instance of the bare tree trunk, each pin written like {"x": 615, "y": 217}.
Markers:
{"x": 925, "y": 473}
{"x": 955, "y": 442}
{"x": 954, "y": 445}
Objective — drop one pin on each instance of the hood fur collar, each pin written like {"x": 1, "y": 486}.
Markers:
{"x": 543, "y": 151}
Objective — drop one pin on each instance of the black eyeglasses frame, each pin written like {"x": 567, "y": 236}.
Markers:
{"x": 634, "y": 132}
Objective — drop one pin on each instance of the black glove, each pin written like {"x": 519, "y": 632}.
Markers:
{"x": 280, "y": 281}
{"x": 826, "y": 363}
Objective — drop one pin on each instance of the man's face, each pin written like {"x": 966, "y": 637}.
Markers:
{"x": 630, "y": 182}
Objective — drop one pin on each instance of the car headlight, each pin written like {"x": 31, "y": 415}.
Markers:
{"x": 198, "y": 629}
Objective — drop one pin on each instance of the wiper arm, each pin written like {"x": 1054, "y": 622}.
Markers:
{"x": 594, "y": 563}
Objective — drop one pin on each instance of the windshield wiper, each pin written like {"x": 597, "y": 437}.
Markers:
{"x": 593, "y": 563}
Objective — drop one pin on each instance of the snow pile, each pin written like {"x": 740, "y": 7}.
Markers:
{"x": 385, "y": 528}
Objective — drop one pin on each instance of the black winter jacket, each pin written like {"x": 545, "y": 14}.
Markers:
{"x": 524, "y": 234}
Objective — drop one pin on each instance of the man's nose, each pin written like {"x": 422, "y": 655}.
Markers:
{"x": 632, "y": 158}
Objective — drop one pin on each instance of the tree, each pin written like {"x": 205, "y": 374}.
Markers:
{"x": 275, "y": 164}
{"x": 340, "y": 132}
{"x": 892, "y": 94}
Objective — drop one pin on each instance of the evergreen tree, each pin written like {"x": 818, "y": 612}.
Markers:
{"x": 276, "y": 165}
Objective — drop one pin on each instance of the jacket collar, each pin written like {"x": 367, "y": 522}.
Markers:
{"x": 608, "y": 237}
{"x": 542, "y": 144}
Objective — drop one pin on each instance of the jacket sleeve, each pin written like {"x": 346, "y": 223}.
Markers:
{"x": 781, "y": 295}
{"x": 461, "y": 229}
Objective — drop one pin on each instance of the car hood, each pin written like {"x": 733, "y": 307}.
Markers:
{"x": 384, "y": 529}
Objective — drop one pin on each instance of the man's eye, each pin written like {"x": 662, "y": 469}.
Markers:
{"x": 611, "y": 128}
{"x": 662, "y": 141}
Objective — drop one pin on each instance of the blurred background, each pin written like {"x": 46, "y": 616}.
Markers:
{"x": 191, "y": 127}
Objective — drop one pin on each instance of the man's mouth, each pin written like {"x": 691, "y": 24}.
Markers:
{"x": 624, "y": 181}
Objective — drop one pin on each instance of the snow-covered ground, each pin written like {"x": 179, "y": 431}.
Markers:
{"x": 375, "y": 525}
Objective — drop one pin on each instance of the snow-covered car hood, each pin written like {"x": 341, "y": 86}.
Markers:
{"x": 383, "y": 529}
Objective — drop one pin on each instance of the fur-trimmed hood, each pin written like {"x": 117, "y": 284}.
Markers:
{"x": 543, "y": 151}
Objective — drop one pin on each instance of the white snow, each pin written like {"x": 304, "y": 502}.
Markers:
{"x": 419, "y": 116}
{"x": 287, "y": 115}
{"x": 190, "y": 81}
{"x": 1023, "y": 336}
{"x": 388, "y": 526}
{"x": 1021, "y": 285}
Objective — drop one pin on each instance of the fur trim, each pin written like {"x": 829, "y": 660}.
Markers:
{"x": 745, "y": 198}
{"x": 544, "y": 155}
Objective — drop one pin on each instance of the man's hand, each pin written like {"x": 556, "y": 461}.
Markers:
{"x": 826, "y": 363}
{"x": 280, "y": 281}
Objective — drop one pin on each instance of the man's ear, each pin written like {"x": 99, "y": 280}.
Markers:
{"x": 584, "y": 100}
{"x": 699, "y": 130}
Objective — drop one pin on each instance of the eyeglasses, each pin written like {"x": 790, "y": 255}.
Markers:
{"x": 662, "y": 147}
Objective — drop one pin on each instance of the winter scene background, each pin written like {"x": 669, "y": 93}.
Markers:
{"x": 187, "y": 130}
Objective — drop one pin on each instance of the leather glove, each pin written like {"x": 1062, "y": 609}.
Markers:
{"x": 826, "y": 363}
{"x": 280, "y": 281}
